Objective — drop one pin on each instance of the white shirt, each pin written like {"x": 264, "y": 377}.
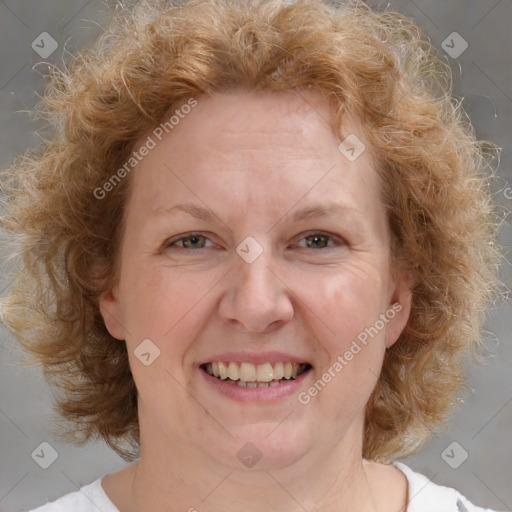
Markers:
{"x": 424, "y": 496}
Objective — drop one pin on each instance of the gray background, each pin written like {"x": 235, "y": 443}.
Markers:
{"x": 481, "y": 427}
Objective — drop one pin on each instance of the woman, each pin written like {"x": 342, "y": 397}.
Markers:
{"x": 256, "y": 251}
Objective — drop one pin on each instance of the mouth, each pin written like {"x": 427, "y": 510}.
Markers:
{"x": 251, "y": 375}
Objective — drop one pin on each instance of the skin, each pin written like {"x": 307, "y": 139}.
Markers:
{"x": 254, "y": 159}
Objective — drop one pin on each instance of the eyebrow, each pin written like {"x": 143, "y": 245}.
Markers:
{"x": 314, "y": 211}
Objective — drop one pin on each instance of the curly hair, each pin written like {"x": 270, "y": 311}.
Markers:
{"x": 375, "y": 65}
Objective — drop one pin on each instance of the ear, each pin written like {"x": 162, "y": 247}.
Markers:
{"x": 111, "y": 311}
{"x": 399, "y": 308}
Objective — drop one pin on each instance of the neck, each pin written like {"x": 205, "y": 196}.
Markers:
{"x": 177, "y": 478}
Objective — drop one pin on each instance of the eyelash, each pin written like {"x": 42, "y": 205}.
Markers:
{"x": 170, "y": 243}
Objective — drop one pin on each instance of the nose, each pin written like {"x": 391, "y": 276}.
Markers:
{"x": 256, "y": 298}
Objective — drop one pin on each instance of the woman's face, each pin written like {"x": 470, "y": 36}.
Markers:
{"x": 252, "y": 241}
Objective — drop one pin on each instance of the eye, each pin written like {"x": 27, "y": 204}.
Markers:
{"x": 320, "y": 240}
{"x": 315, "y": 240}
{"x": 188, "y": 241}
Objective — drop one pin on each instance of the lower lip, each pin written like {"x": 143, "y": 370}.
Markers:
{"x": 268, "y": 394}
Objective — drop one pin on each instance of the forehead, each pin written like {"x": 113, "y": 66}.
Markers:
{"x": 289, "y": 120}
{"x": 248, "y": 148}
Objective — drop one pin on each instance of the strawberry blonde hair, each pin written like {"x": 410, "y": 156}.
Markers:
{"x": 375, "y": 65}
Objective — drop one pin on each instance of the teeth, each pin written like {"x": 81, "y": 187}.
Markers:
{"x": 264, "y": 372}
{"x": 278, "y": 371}
{"x": 250, "y": 375}
{"x": 247, "y": 372}
{"x": 223, "y": 371}
{"x": 244, "y": 384}
{"x": 233, "y": 371}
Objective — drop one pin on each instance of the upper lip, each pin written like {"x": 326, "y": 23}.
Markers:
{"x": 255, "y": 358}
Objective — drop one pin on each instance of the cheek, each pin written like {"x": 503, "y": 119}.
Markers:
{"x": 162, "y": 300}
{"x": 172, "y": 307}
{"x": 347, "y": 302}
{"x": 166, "y": 307}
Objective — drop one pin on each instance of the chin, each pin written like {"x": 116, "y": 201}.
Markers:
{"x": 262, "y": 446}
